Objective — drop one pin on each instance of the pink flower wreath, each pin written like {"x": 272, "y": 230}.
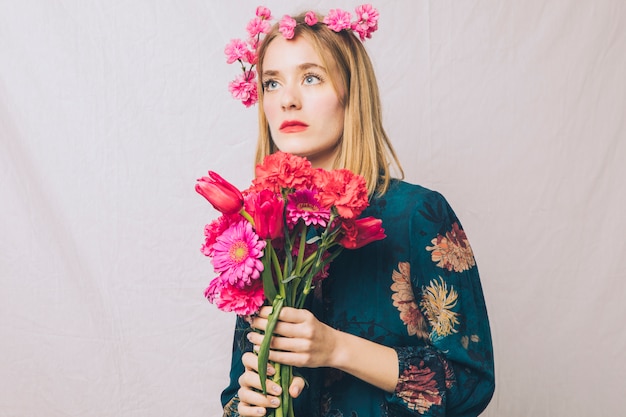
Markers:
{"x": 244, "y": 87}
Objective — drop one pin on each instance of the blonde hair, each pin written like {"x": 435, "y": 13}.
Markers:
{"x": 364, "y": 147}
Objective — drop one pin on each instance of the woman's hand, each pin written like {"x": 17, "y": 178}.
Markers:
{"x": 251, "y": 401}
{"x": 299, "y": 339}
{"x": 303, "y": 341}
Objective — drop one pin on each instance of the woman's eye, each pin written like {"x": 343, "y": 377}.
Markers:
{"x": 312, "y": 79}
{"x": 270, "y": 85}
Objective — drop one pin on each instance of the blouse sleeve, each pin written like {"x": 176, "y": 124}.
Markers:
{"x": 229, "y": 397}
{"x": 452, "y": 373}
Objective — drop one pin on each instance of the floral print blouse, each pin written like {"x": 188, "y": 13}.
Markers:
{"x": 417, "y": 291}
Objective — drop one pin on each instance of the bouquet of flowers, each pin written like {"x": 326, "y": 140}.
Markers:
{"x": 274, "y": 241}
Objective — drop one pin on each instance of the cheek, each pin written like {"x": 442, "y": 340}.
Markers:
{"x": 334, "y": 111}
{"x": 269, "y": 109}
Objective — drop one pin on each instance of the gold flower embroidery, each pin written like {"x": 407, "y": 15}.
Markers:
{"x": 452, "y": 251}
{"x": 404, "y": 300}
{"x": 437, "y": 303}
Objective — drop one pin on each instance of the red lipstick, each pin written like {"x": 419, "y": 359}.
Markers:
{"x": 293, "y": 126}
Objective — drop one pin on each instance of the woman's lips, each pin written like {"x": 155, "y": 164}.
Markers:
{"x": 293, "y": 126}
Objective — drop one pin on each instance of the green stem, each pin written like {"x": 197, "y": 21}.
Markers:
{"x": 264, "y": 350}
{"x": 279, "y": 273}
{"x": 278, "y": 412}
{"x": 247, "y": 216}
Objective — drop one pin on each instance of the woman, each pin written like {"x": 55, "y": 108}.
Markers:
{"x": 400, "y": 326}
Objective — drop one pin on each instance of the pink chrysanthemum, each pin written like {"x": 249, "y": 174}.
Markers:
{"x": 257, "y": 26}
{"x": 242, "y": 301}
{"x": 244, "y": 88}
{"x": 310, "y": 18}
{"x": 215, "y": 229}
{"x": 367, "y": 21}
{"x": 236, "y": 50}
{"x": 263, "y": 12}
{"x": 338, "y": 20}
{"x": 237, "y": 254}
{"x": 304, "y": 205}
{"x": 286, "y": 26}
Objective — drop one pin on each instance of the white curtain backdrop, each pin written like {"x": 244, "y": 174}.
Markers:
{"x": 110, "y": 110}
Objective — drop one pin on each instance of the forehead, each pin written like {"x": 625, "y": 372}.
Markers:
{"x": 283, "y": 54}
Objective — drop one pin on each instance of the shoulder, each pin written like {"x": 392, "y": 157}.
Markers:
{"x": 411, "y": 197}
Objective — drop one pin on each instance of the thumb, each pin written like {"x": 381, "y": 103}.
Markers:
{"x": 297, "y": 385}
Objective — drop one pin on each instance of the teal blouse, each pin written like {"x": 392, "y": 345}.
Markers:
{"x": 417, "y": 291}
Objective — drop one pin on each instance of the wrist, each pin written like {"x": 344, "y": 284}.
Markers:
{"x": 339, "y": 353}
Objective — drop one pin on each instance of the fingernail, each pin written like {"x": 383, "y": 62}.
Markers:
{"x": 260, "y": 411}
{"x": 276, "y": 389}
{"x": 270, "y": 370}
{"x": 297, "y": 390}
{"x": 249, "y": 336}
{"x": 275, "y": 402}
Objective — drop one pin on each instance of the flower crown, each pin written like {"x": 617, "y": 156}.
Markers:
{"x": 244, "y": 87}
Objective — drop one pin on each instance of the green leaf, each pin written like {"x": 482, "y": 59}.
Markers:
{"x": 290, "y": 278}
{"x": 313, "y": 240}
{"x": 268, "y": 280}
{"x": 264, "y": 351}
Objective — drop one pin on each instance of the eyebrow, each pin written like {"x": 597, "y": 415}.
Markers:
{"x": 301, "y": 67}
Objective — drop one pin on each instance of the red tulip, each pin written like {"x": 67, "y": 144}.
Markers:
{"x": 358, "y": 233}
{"x": 224, "y": 196}
{"x": 268, "y": 215}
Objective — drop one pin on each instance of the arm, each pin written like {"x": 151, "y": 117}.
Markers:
{"x": 453, "y": 373}
{"x": 450, "y": 370}
{"x": 307, "y": 342}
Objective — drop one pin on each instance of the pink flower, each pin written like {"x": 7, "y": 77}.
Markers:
{"x": 282, "y": 170}
{"x": 367, "y": 21}
{"x": 263, "y": 12}
{"x": 257, "y": 26}
{"x": 310, "y": 18}
{"x": 360, "y": 232}
{"x": 338, "y": 20}
{"x": 237, "y": 254}
{"x": 242, "y": 301}
{"x": 224, "y": 196}
{"x": 343, "y": 189}
{"x": 303, "y": 205}
{"x": 244, "y": 88}
{"x": 215, "y": 229}
{"x": 236, "y": 50}
{"x": 286, "y": 26}
{"x": 268, "y": 214}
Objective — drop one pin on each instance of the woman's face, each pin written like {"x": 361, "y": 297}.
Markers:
{"x": 302, "y": 108}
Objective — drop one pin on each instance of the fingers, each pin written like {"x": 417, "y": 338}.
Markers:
{"x": 292, "y": 322}
{"x": 252, "y": 401}
{"x": 296, "y": 387}
{"x": 287, "y": 314}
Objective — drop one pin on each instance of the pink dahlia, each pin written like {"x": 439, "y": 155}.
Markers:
{"x": 236, "y": 50}
{"x": 263, "y": 12}
{"x": 304, "y": 205}
{"x": 338, "y": 20}
{"x": 244, "y": 88}
{"x": 257, "y": 26}
{"x": 214, "y": 229}
{"x": 237, "y": 254}
{"x": 366, "y": 21}
{"x": 310, "y": 18}
{"x": 242, "y": 301}
{"x": 286, "y": 26}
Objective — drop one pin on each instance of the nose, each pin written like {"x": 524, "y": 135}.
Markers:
{"x": 290, "y": 99}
